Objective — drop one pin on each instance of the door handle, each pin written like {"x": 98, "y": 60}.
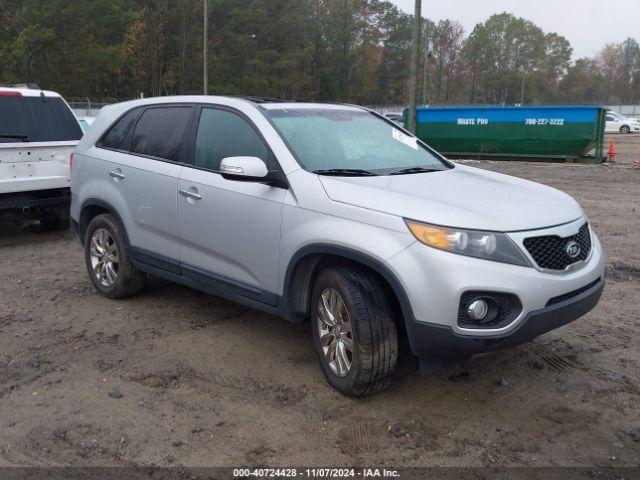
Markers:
{"x": 116, "y": 174}
{"x": 191, "y": 194}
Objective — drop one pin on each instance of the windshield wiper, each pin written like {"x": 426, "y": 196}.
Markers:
{"x": 346, "y": 172}
{"x": 409, "y": 171}
{"x": 24, "y": 138}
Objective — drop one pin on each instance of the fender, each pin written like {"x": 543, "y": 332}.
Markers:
{"x": 287, "y": 307}
{"x": 94, "y": 202}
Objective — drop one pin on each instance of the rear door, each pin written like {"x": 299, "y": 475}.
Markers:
{"x": 142, "y": 179}
{"x": 230, "y": 230}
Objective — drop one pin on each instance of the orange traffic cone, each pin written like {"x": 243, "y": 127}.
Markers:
{"x": 612, "y": 151}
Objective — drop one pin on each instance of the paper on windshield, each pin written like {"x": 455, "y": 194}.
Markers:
{"x": 404, "y": 138}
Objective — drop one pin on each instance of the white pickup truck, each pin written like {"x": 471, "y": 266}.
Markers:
{"x": 38, "y": 133}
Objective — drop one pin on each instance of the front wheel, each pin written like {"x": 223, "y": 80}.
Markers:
{"x": 354, "y": 333}
{"x": 625, "y": 129}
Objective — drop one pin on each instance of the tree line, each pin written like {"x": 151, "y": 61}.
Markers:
{"x": 327, "y": 50}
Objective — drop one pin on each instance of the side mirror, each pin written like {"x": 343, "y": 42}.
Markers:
{"x": 244, "y": 168}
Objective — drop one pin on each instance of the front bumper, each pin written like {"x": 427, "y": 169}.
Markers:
{"x": 434, "y": 282}
{"x": 433, "y": 340}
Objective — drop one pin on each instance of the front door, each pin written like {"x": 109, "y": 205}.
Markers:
{"x": 230, "y": 230}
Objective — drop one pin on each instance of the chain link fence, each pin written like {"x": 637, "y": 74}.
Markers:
{"x": 86, "y": 107}
{"x": 627, "y": 110}
{"x": 387, "y": 108}
{"x": 90, "y": 108}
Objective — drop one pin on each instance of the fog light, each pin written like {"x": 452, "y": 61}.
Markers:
{"x": 477, "y": 309}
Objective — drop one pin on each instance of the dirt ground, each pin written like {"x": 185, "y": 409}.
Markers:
{"x": 177, "y": 377}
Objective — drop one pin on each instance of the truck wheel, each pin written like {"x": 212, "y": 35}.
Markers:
{"x": 53, "y": 221}
{"x": 354, "y": 333}
{"x": 625, "y": 129}
{"x": 106, "y": 253}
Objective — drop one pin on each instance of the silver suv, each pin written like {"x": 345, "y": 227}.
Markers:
{"x": 333, "y": 214}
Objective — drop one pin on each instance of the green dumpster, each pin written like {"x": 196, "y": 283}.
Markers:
{"x": 566, "y": 132}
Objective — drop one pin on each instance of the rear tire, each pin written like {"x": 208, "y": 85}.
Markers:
{"x": 625, "y": 129}
{"x": 359, "y": 303}
{"x": 106, "y": 252}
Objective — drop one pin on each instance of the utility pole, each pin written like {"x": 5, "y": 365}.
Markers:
{"x": 425, "y": 74}
{"x": 413, "y": 81}
{"x": 205, "y": 49}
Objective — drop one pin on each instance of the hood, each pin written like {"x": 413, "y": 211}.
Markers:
{"x": 462, "y": 197}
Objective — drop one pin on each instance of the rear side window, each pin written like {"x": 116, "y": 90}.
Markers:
{"x": 119, "y": 137}
{"x": 224, "y": 134}
{"x": 37, "y": 119}
{"x": 160, "y": 131}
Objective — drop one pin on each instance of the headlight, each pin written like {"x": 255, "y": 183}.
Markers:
{"x": 473, "y": 243}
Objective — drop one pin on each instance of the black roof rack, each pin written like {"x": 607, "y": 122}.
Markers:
{"x": 265, "y": 99}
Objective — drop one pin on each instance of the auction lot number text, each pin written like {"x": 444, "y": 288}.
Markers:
{"x": 315, "y": 473}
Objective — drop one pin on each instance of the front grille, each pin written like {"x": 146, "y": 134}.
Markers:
{"x": 504, "y": 308}
{"x": 570, "y": 295}
{"x": 550, "y": 253}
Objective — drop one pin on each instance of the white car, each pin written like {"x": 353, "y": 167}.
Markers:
{"x": 617, "y": 123}
{"x": 396, "y": 117}
{"x": 38, "y": 132}
{"x": 86, "y": 122}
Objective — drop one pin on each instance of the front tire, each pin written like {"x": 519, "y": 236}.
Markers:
{"x": 106, "y": 252}
{"x": 625, "y": 129}
{"x": 354, "y": 333}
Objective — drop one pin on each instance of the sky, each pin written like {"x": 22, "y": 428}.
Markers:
{"x": 587, "y": 24}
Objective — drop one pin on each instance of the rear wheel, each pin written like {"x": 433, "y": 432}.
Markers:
{"x": 107, "y": 259}
{"x": 625, "y": 129}
{"x": 354, "y": 332}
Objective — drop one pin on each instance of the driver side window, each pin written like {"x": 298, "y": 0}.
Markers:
{"x": 224, "y": 134}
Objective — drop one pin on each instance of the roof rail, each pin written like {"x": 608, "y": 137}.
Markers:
{"x": 255, "y": 99}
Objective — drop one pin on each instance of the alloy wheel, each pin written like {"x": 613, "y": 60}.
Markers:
{"x": 335, "y": 330}
{"x": 105, "y": 260}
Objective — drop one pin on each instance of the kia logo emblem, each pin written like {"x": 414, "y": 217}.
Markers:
{"x": 573, "y": 249}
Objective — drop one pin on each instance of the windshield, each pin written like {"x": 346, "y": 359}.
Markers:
{"x": 338, "y": 141}
{"x": 30, "y": 119}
